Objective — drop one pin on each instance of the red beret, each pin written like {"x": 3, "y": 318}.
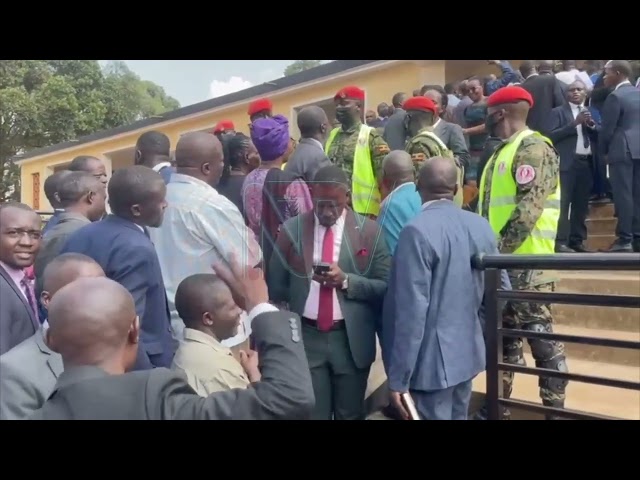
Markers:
{"x": 510, "y": 94}
{"x": 419, "y": 103}
{"x": 223, "y": 125}
{"x": 350, "y": 92}
{"x": 259, "y": 105}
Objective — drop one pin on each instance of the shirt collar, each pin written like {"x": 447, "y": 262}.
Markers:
{"x": 17, "y": 274}
{"x": 193, "y": 335}
{"x": 161, "y": 165}
{"x": 431, "y": 202}
{"x": 182, "y": 178}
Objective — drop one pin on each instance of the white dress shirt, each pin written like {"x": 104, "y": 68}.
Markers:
{"x": 160, "y": 166}
{"x": 200, "y": 227}
{"x": 580, "y": 148}
{"x": 313, "y": 300}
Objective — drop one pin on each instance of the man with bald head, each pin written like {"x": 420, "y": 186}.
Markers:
{"x": 201, "y": 226}
{"x": 95, "y": 329}
{"x": 28, "y": 372}
{"x": 432, "y": 335}
{"x": 401, "y": 201}
{"x": 620, "y": 148}
{"x": 210, "y": 315}
{"x": 520, "y": 197}
{"x": 309, "y": 156}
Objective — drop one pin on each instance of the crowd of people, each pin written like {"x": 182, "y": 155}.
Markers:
{"x": 249, "y": 276}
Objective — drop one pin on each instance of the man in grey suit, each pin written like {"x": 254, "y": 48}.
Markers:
{"x": 82, "y": 198}
{"x": 331, "y": 266}
{"x": 450, "y": 133}
{"x": 395, "y": 133}
{"x": 309, "y": 156}
{"x": 20, "y": 237}
{"x": 620, "y": 147}
{"x": 432, "y": 343}
{"x": 94, "y": 327}
{"x": 29, "y": 371}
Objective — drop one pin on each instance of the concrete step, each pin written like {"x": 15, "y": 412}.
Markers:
{"x": 601, "y": 210}
{"x": 601, "y": 226}
{"x": 605, "y": 283}
{"x": 614, "y": 402}
{"x": 599, "y": 243}
{"x": 594, "y": 353}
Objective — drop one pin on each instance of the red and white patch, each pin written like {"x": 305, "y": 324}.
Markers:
{"x": 525, "y": 174}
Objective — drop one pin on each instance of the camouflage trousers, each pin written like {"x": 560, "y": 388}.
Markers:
{"x": 535, "y": 317}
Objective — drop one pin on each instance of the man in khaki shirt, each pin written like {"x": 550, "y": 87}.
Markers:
{"x": 210, "y": 315}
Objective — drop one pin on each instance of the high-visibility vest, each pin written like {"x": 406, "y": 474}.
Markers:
{"x": 445, "y": 152}
{"x": 502, "y": 201}
{"x": 365, "y": 195}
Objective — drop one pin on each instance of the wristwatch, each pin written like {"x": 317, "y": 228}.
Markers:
{"x": 345, "y": 283}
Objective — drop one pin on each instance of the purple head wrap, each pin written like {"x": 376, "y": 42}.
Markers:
{"x": 271, "y": 137}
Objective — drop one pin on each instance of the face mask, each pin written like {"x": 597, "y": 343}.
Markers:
{"x": 491, "y": 123}
{"x": 342, "y": 115}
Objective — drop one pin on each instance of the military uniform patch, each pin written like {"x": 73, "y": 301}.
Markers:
{"x": 525, "y": 174}
{"x": 502, "y": 168}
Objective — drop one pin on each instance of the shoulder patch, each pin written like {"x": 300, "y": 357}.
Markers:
{"x": 525, "y": 174}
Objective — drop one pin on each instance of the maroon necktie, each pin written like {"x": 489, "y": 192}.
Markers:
{"x": 28, "y": 290}
{"x": 325, "y": 304}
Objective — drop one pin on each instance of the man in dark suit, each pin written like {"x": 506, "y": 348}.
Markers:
{"x": 309, "y": 156}
{"x": 547, "y": 92}
{"x": 20, "y": 237}
{"x": 331, "y": 266}
{"x": 620, "y": 147}
{"x": 394, "y": 132}
{"x": 573, "y": 132}
{"x": 153, "y": 150}
{"x": 450, "y": 133}
{"x": 120, "y": 244}
{"x": 95, "y": 329}
{"x": 51, "y": 192}
{"x": 82, "y": 197}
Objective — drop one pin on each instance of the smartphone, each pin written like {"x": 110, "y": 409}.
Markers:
{"x": 321, "y": 268}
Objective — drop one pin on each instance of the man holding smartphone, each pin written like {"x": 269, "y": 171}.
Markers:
{"x": 331, "y": 266}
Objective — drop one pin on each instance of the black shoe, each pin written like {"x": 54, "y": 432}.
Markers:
{"x": 580, "y": 248}
{"x": 560, "y": 248}
{"x": 620, "y": 247}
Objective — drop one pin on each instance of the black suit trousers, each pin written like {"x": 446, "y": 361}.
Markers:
{"x": 624, "y": 176}
{"x": 575, "y": 190}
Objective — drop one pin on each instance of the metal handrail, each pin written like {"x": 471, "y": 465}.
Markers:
{"x": 495, "y": 297}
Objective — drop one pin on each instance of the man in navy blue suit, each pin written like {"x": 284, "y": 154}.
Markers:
{"x": 120, "y": 244}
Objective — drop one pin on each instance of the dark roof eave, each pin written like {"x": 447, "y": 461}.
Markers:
{"x": 331, "y": 68}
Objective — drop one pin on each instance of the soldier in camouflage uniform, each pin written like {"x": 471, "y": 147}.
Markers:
{"x": 349, "y": 103}
{"x": 421, "y": 114}
{"x": 541, "y": 162}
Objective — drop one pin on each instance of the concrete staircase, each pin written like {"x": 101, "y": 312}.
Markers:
{"x": 617, "y": 323}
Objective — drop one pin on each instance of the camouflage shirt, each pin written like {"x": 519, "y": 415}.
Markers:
{"x": 530, "y": 198}
{"x": 343, "y": 149}
{"x": 422, "y": 147}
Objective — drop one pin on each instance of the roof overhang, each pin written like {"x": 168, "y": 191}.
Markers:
{"x": 162, "y": 121}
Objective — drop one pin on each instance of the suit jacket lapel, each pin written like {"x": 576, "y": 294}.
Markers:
{"x": 54, "y": 361}
{"x": 352, "y": 242}
{"x": 32, "y": 316}
{"x": 568, "y": 112}
{"x": 308, "y": 229}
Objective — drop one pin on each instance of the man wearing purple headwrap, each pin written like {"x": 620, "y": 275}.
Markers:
{"x": 271, "y": 195}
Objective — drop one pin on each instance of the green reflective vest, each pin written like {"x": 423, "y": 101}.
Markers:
{"x": 502, "y": 201}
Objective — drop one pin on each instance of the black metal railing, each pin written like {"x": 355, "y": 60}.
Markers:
{"x": 496, "y": 297}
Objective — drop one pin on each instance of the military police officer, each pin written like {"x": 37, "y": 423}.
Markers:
{"x": 520, "y": 197}
{"x": 421, "y": 114}
{"x": 358, "y": 149}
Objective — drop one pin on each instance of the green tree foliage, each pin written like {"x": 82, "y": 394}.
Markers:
{"x": 44, "y": 102}
{"x": 300, "y": 66}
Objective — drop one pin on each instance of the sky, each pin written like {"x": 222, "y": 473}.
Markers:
{"x": 193, "y": 81}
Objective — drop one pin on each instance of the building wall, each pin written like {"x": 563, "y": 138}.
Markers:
{"x": 379, "y": 85}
